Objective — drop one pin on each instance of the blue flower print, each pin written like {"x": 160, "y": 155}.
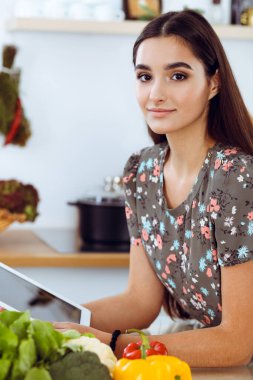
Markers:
{"x": 176, "y": 244}
{"x": 243, "y": 252}
{"x": 209, "y": 255}
{"x": 202, "y": 208}
{"x": 250, "y": 228}
{"x": 188, "y": 234}
{"x": 162, "y": 228}
{"x": 171, "y": 283}
{"x": 141, "y": 167}
{"x": 220, "y": 155}
{"x": 211, "y": 173}
{"x": 149, "y": 164}
{"x": 172, "y": 219}
{"x": 202, "y": 264}
{"x": 204, "y": 291}
{"x": 146, "y": 225}
{"x": 211, "y": 313}
{"x": 158, "y": 265}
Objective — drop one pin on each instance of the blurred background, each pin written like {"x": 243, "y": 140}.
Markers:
{"x": 77, "y": 90}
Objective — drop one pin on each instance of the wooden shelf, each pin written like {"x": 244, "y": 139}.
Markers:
{"x": 110, "y": 27}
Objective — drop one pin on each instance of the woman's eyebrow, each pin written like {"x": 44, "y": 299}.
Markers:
{"x": 178, "y": 64}
{"x": 167, "y": 67}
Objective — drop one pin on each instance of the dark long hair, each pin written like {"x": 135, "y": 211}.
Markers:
{"x": 228, "y": 120}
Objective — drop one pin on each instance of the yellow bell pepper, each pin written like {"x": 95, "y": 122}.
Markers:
{"x": 155, "y": 367}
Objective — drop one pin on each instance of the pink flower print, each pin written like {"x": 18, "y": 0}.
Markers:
{"x": 219, "y": 307}
{"x": 214, "y": 253}
{"x": 137, "y": 242}
{"x": 250, "y": 215}
{"x": 164, "y": 275}
{"x": 206, "y": 320}
{"x": 184, "y": 290}
{"x": 143, "y": 177}
{"x": 230, "y": 151}
{"x": 217, "y": 164}
{"x": 213, "y": 206}
{"x": 192, "y": 287}
{"x": 242, "y": 169}
{"x": 199, "y": 297}
{"x": 194, "y": 203}
{"x": 171, "y": 257}
{"x": 144, "y": 234}
{"x": 127, "y": 178}
{"x": 167, "y": 269}
{"x": 159, "y": 241}
{"x": 156, "y": 171}
{"x": 227, "y": 166}
{"x": 129, "y": 212}
{"x": 209, "y": 272}
{"x": 206, "y": 231}
{"x": 180, "y": 220}
{"x": 185, "y": 248}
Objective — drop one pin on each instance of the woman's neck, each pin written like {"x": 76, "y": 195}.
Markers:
{"x": 187, "y": 153}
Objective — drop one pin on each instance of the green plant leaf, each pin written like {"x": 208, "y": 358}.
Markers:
{"x": 71, "y": 334}
{"x": 8, "y": 340}
{"x": 47, "y": 340}
{"x": 25, "y": 360}
{"x": 8, "y": 317}
{"x": 20, "y": 325}
{"x": 5, "y": 364}
{"x": 38, "y": 374}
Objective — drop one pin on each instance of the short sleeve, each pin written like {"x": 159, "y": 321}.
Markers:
{"x": 129, "y": 181}
{"x": 232, "y": 208}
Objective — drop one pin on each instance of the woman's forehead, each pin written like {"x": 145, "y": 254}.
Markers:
{"x": 164, "y": 50}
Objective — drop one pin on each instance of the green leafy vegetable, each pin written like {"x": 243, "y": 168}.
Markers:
{"x": 81, "y": 366}
{"x": 5, "y": 364}
{"x": 8, "y": 340}
{"x": 34, "y": 350}
{"x": 48, "y": 341}
{"x": 38, "y": 374}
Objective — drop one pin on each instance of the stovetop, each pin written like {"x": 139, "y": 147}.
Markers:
{"x": 66, "y": 240}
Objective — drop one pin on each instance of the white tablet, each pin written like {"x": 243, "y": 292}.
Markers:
{"x": 19, "y": 292}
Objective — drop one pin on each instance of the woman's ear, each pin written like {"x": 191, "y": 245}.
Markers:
{"x": 214, "y": 85}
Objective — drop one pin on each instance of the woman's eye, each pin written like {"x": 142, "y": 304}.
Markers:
{"x": 178, "y": 76}
{"x": 143, "y": 77}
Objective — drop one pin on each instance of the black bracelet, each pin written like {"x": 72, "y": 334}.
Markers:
{"x": 115, "y": 335}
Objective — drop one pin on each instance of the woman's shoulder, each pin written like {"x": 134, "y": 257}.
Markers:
{"x": 232, "y": 165}
{"x": 138, "y": 160}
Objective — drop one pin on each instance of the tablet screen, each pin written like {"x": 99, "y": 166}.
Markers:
{"x": 24, "y": 295}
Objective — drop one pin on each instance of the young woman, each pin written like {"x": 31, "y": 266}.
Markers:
{"x": 189, "y": 200}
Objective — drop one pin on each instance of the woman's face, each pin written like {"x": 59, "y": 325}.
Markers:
{"x": 172, "y": 88}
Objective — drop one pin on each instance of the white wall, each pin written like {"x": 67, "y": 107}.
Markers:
{"x": 78, "y": 92}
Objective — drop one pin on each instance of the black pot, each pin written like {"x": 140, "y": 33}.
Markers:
{"x": 102, "y": 221}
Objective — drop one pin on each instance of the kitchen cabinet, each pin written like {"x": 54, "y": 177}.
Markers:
{"x": 126, "y": 27}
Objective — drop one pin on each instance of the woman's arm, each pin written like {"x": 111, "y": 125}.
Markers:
{"x": 230, "y": 343}
{"x": 227, "y": 345}
{"x": 138, "y": 306}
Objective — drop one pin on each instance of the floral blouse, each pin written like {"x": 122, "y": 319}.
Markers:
{"x": 213, "y": 227}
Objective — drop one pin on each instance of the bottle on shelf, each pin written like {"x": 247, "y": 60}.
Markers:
{"x": 217, "y": 12}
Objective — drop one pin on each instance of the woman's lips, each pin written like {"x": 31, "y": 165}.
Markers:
{"x": 160, "y": 112}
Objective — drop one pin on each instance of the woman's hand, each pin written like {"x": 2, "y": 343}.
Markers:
{"x": 101, "y": 335}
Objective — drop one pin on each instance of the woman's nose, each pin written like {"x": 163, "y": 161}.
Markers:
{"x": 157, "y": 92}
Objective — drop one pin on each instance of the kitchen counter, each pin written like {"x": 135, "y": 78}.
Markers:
{"x": 22, "y": 248}
{"x": 238, "y": 373}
